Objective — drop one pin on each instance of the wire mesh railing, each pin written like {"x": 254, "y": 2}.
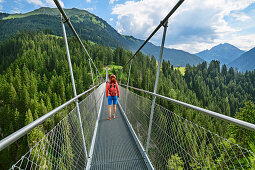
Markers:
{"x": 177, "y": 143}
{"x": 62, "y": 147}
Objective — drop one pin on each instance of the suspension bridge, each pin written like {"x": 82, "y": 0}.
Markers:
{"x": 144, "y": 135}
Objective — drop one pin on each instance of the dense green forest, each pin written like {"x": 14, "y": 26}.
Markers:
{"x": 35, "y": 79}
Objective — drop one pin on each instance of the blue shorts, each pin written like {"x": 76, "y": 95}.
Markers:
{"x": 112, "y": 99}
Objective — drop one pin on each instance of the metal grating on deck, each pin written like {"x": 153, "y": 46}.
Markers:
{"x": 115, "y": 147}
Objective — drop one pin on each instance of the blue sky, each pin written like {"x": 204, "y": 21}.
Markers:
{"x": 197, "y": 25}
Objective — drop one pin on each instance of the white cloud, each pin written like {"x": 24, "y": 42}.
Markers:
{"x": 240, "y": 16}
{"x": 89, "y": 9}
{"x": 112, "y": 1}
{"x": 49, "y": 3}
{"x": 52, "y": 4}
{"x": 88, "y": 1}
{"x": 198, "y": 23}
{"x": 244, "y": 42}
{"x": 111, "y": 19}
{"x": 36, "y": 2}
{"x": 192, "y": 47}
{"x": 139, "y": 18}
{"x": 1, "y": 7}
{"x": 15, "y": 11}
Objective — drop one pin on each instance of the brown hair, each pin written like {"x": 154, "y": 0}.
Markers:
{"x": 113, "y": 79}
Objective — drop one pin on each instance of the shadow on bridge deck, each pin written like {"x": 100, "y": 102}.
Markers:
{"x": 115, "y": 147}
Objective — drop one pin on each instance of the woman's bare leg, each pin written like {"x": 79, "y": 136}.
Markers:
{"x": 114, "y": 109}
{"x": 109, "y": 110}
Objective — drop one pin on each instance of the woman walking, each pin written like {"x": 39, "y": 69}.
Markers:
{"x": 112, "y": 94}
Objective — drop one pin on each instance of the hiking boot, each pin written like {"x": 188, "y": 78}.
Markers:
{"x": 109, "y": 118}
{"x": 113, "y": 116}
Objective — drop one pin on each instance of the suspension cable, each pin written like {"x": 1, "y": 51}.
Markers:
{"x": 156, "y": 30}
{"x": 73, "y": 30}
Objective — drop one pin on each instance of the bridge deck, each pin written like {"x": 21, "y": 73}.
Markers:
{"x": 115, "y": 147}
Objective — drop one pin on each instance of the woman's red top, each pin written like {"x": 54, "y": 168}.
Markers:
{"x": 108, "y": 87}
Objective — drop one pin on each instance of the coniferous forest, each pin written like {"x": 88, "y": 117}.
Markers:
{"x": 35, "y": 79}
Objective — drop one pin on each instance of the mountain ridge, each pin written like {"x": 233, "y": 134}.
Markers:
{"x": 245, "y": 62}
{"x": 47, "y": 11}
{"x": 89, "y": 27}
{"x": 225, "y": 53}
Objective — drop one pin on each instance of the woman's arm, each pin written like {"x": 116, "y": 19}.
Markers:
{"x": 118, "y": 93}
{"x": 107, "y": 89}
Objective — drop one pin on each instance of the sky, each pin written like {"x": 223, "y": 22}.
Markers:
{"x": 197, "y": 24}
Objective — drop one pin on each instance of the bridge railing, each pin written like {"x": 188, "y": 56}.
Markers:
{"x": 177, "y": 143}
{"x": 62, "y": 147}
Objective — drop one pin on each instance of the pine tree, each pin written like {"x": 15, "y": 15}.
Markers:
{"x": 12, "y": 96}
{"x": 244, "y": 137}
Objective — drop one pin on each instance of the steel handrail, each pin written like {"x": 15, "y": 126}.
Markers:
{"x": 237, "y": 122}
{"x": 23, "y": 131}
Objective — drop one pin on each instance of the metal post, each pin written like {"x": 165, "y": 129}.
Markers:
{"x": 73, "y": 83}
{"x": 128, "y": 84}
{"x": 67, "y": 20}
{"x": 129, "y": 71}
{"x": 120, "y": 75}
{"x": 98, "y": 76}
{"x": 91, "y": 72}
{"x": 156, "y": 86}
{"x": 106, "y": 74}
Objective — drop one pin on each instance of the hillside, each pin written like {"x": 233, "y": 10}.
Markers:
{"x": 89, "y": 27}
{"x": 245, "y": 61}
{"x": 225, "y": 53}
{"x": 46, "y": 11}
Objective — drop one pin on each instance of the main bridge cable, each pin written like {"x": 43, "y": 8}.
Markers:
{"x": 156, "y": 30}
{"x": 74, "y": 32}
{"x": 153, "y": 33}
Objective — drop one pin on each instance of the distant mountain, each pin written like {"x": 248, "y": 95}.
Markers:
{"x": 245, "y": 61}
{"x": 89, "y": 27}
{"x": 225, "y": 53}
{"x": 176, "y": 57}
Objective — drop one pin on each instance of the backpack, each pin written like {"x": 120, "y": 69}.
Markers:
{"x": 112, "y": 90}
